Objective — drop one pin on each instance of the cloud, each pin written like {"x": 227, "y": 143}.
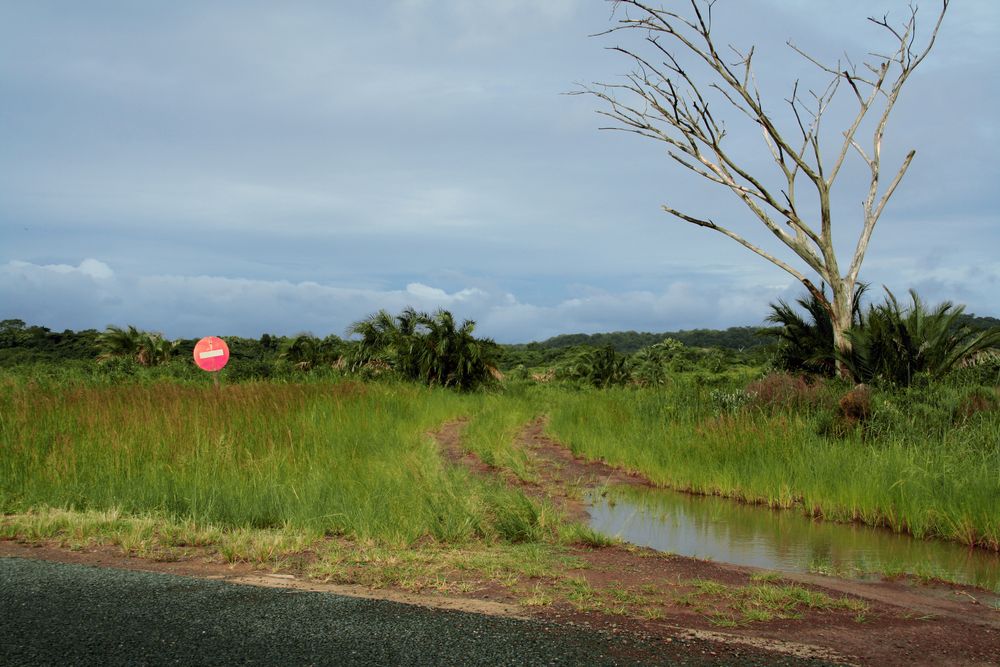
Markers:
{"x": 243, "y": 167}
{"x": 64, "y": 295}
{"x": 89, "y": 268}
{"x": 92, "y": 295}
{"x": 428, "y": 294}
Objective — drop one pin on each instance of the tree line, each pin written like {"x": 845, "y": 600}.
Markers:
{"x": 732, "y": 338}
{"x": 432, "y": 348}
{"x": 627, "y": 342}
{"x": 892, "y": 341}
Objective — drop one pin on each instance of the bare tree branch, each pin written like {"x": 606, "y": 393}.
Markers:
{"x": 670, "y": 103}
{"x": 708, "y": 224}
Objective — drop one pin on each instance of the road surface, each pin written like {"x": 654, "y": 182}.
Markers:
{"x": 54, "y": 613}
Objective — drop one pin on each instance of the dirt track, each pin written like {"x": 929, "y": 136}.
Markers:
{"x": 906, "y": 624}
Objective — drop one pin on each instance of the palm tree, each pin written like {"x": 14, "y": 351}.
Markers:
{"x": 605, "y": 368}
{"x": 306, "y": 351}
{"x": 600, "y": 367}
{"x": 451, "y": 356}
{"x": 427, "y": 348}
{"x": 146, "y": 348}
{"x": 648, "y": 366}
{"x": 118, "y": 342}
{"x": 156, "y": 349}
{"x": 302, "y": 351}
{"x": 405, "y": 342}
{"x": 895, "y": 343}
{"x": 379, "y": 335}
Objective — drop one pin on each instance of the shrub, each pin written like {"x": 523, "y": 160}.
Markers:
{"x": 976, "y": 401}
{"x": 981, "y": 368}
{"x": 856, "y": 405}
{"x": 251, "y": 369}
{"x": 431, "y": 349}
{"x": 784, "y": 390}
{"x": 603, "y": 368}
{"x": 897, "y": 344}
{"x": 729, "y": 401}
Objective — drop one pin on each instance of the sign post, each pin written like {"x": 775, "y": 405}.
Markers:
{"x": 211, "y": 354}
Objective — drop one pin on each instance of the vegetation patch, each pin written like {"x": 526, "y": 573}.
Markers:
{"x": 907, "y": 467}
{"x": 762, "y": 601}
{"x": 327, "y": 458}
{"x": 427, "y": 566}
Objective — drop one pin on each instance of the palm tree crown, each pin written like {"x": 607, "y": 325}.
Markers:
{"x": 429, "y": 348}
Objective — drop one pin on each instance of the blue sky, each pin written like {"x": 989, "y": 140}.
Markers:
{"x": 247, "y": 167}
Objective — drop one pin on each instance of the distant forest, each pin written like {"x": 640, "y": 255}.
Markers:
{"x": 627, "y": 342}
{"x": 21, "y": 343}
{"x": 733, "y": 338}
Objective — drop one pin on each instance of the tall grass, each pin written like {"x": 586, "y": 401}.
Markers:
{"x": 342, "y": 458}
{"x": 355, "y": 459}
{"x": 914, "y": 469}
{"x": 493, "y": 433}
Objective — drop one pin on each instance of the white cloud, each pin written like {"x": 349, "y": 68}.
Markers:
{"x": 90, "y": 268}
{"x": 426, "y": 293}
{"x": 92, "y": 295}
{"x": 96, "y": 269}
{"x": 419, "y": 152}
{"x": 59, "y": 295}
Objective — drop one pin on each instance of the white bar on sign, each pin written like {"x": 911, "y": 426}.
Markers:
{"x": 210, "y": 354}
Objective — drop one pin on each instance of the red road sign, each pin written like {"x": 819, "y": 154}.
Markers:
{"x": 211, "y": 353}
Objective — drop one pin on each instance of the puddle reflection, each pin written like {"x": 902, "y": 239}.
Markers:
{"x": 731, "y": 532}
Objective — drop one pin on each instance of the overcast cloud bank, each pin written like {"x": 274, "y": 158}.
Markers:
{"x": 241, "y": 167}
{"x": 93, "y": 295}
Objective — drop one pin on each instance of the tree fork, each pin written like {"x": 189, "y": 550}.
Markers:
{"x": 667, "y": 104}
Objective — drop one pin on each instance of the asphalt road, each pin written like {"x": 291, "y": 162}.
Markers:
{"x": 58, "y": 614}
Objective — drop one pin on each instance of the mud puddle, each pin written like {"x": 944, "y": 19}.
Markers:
{"x": 726, "y": 531}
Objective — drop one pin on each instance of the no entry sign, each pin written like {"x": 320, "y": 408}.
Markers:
{"x": 211, "y": 353}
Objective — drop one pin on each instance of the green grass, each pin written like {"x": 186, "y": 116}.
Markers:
{"x": 730, "y": 606}
{"x": 426, "y": 566}
{"x": 186, "y": 463}
{"x": 339, "y": 459}
{"x": 342, "y": 481}
{"x": 492, "y": 434}
{"x": 912, "y": 469}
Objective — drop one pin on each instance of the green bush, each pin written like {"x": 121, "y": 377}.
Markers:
{"x": 898, "y": 344}
{"x": 602, "y": 367}
{"x": 431, "y": 349}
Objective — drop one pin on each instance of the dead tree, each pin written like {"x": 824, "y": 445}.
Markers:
{"x": 663, "y": 100}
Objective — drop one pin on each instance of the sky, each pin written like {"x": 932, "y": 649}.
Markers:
{"x": 241, "y": 167}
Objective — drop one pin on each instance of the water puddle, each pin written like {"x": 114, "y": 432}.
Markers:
{"x": 727, "y": 531}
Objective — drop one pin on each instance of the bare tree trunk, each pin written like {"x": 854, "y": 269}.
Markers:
{"x": 842, "y": 317}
